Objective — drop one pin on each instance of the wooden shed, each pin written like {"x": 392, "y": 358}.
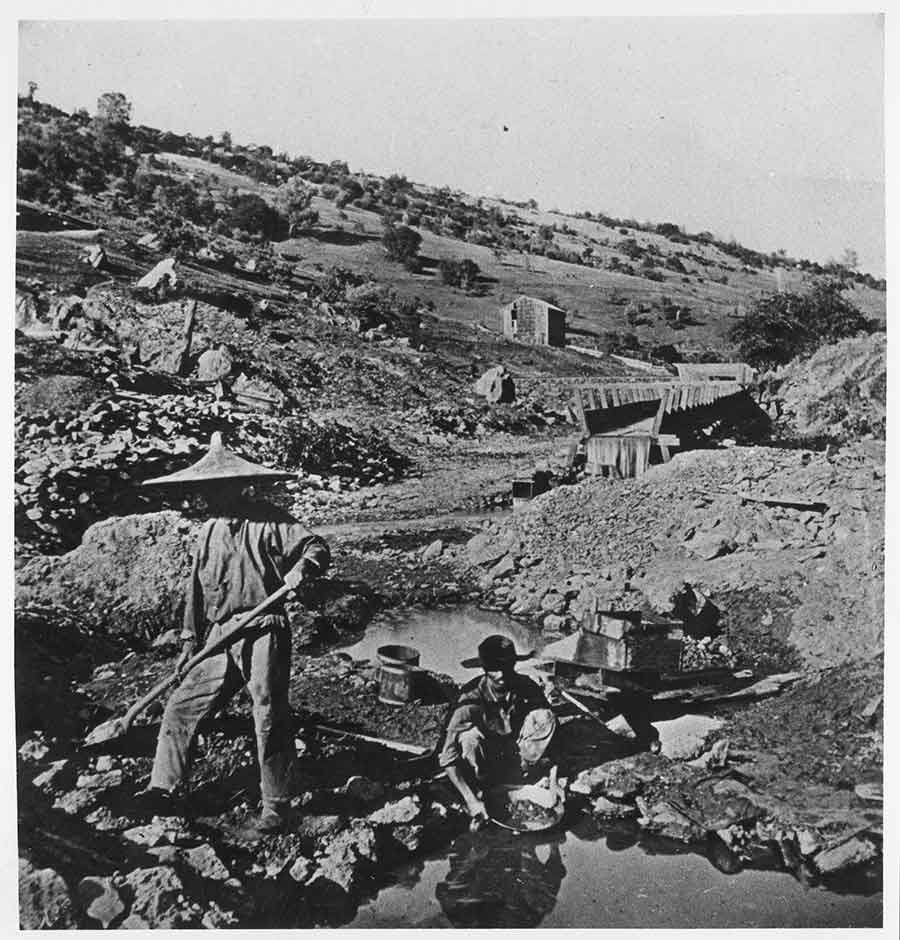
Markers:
{"x": 535, "y": 321}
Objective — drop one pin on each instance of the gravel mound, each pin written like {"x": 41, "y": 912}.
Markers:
{"x": 838, "y": 393}
{"x": 796, "y": 579}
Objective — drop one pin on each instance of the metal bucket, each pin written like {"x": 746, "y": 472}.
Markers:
{"x": 395, "y": 678}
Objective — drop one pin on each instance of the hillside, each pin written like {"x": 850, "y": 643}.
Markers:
{"x": 327, "y": 323}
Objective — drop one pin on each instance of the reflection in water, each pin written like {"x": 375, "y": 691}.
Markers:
{"x": 500, "y": 881}
{"x": 607, "y": 874}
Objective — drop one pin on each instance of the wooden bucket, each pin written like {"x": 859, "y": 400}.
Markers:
{"x": 395, "y": 678}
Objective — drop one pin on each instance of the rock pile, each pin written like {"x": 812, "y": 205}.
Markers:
{"x": 71, "y": 471}
{"x": 711, "y": 538}
{"x": 838, "y": 393}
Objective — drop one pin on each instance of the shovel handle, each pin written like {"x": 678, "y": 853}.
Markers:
{"x": 211, "y": 650}
{"x": 582, "y": 708}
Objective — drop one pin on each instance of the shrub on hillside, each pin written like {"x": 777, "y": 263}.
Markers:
{"x": 402, "y": 244}
{"x": 293, "y": 201}
{"x": 779, "y": 327}
{"x": 252, "y": 214}
{"x": 462, "y": 274}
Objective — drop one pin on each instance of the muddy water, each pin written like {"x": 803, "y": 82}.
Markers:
{"x": 443, "y": 637}
{"x": 583, "y": 875}
{"x": 589, "y": 876}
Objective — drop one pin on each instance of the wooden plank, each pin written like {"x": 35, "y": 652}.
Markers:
{"x": 591, "y": 399}
{"x": 792, "y": 502}
{"x": 660, "y": 412}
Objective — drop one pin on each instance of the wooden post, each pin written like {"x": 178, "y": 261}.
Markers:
{"x": 657, "y": 421}
{"x": 579, "y": 411}
{"x": 182, "y": 357}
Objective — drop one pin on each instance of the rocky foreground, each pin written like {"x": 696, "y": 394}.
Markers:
{"x": 790, "y": 781}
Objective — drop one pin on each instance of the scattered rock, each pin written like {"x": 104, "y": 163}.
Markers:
{"x": 433, "y": 550}
{"x": 613, "y": 780}
{"x": 496, "y": 385}
{"x": 344, "y": 856}
{"x": 553, "y": 603}
{"x": 150, "y": 240}
{"x": 301, "y": 869}
{"x": 161, "y": 277}
{"x": 214, "y": 365}
{"x": 504, "y": 567}
{"x": 849, "y": 854}
{"x": 667, "y": 820}
{"x": 403, "y": 811}
{"x": 217, "y": 918}
{"x": 53, "y": 775}
{"x": 76, "y": 801}
{"x": 714, "y": 758}
{"x": 315, "y": 827}
{"x": 168, "y": 638}
{"x": 103, "y": 781}
{"x": 487, "y": 548}
{"x": 100, "y": 899}
{"x": 155, "y": 892}
{"x": 33, "y": 750}
{"x": 104, "y": 763}
{"x": 808, "y": 842}
{"x": 612, "y": 809}
{"x": 44, "y": 901}
{"x": 684, "y": 738}
{"x": 408, "y": 836}
{"x": 202, "y": 860}
{"x": 161, "y": 829}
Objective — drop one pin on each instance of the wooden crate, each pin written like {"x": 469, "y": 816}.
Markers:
{"x": 624, "y": 640}
{"x": 655, "y": 651}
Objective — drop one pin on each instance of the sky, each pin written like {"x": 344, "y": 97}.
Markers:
{"x": 768, "y": 129}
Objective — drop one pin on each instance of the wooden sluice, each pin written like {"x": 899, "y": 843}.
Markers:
{"x": 623, "y": 421}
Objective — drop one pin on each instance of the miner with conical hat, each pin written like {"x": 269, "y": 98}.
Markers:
{"x": 246, "y": 550}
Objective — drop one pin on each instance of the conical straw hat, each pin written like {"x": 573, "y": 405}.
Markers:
{"x": 219, "y": 463}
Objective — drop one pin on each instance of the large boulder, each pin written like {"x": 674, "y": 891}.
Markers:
{"x": 44, "y": 901}
{"x": 497, "y": 386}
{"x": 161, "y": 278}
{"x": 156, "y": 895}
{"x": 344, "y": 858}
{"x": 128, "y": 576}
{"x": 214, "y": 364}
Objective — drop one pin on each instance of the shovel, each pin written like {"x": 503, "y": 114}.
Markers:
{"x": 117, "y": 727}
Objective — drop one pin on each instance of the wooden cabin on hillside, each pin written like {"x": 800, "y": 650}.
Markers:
{"x": 534, "y": 321}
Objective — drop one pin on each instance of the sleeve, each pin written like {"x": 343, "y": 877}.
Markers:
{"x": 299, "y": 544}
{"x": 532, "y": 693}
{"x": 463, "y": 718}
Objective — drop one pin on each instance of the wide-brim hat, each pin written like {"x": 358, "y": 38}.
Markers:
{"x": 219, "y": 463}
{"x": 495, "y": 652}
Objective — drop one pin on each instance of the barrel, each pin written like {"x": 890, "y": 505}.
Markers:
{"x": 395, "y": 678}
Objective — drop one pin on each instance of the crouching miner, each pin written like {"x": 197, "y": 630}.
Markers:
{"x": 246, "y": 550}
{"x": 499, "y": 729}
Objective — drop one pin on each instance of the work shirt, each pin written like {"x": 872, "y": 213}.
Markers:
{"x": 241, "y": 560}
{"x": 499, "y": 718}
